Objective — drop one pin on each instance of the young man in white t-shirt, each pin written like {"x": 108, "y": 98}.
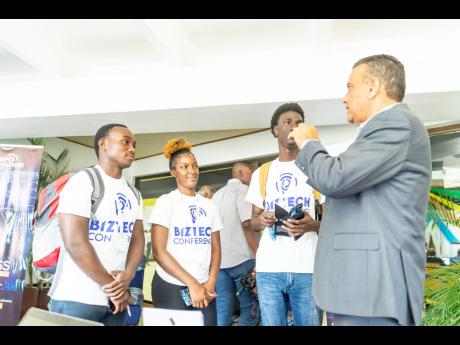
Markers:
{"x": 100, "y": 254}
{"x": 285, "y": 257}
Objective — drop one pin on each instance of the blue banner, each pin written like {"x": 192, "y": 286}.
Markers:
{"x": 19, "y": 170}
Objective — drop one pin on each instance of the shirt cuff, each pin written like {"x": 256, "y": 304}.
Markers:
{"x": 306, "y": 142}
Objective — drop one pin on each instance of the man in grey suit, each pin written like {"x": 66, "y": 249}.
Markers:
{"x": 370, "y": 257}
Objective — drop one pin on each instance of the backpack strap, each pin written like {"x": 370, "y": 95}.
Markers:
{"x": 98, "y": 189}
{"x": 136, "y": 192}
{"x": 263, "y": 175}
{"x": 316, "y": 195}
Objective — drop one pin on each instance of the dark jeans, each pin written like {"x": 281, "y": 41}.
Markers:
{"x": 91, "y": 312}
{"x": 228, "y": 283}
{"x": 167, "y": 295}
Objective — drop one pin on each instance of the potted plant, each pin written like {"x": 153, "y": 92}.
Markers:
{"x": 35, "y": 292}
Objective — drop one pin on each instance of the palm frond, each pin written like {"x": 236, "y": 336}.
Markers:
{"x": 63, "y": 156}
{"x": 442, "y": 305}
{"x": 443, "y": 206}
{"x": 51, "y": 168}
{"x": 37, "y": 141}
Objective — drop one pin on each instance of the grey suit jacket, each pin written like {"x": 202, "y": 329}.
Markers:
{"x": 370, "y": 257}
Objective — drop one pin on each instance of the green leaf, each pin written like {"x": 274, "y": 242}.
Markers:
{"x": 442, "y": 302}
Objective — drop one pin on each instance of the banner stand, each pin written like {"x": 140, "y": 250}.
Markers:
{"x": 19, "y": 174}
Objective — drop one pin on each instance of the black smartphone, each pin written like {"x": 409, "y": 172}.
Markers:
{"x": 111, "y": 306}
{"x": 296, "y": 212}
{"x": 185, "y": 294}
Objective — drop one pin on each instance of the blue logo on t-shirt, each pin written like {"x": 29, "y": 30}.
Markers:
{"x": 197, "y": 234}
{"x": 101, "y": 230}
{"x": 285, "y": 182}
{"x": 196, "y": 212}
{"x": 121, "y": 203}
{"x": 288, "y": 203}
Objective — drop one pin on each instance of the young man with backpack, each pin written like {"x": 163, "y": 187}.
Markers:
{"x": 102, "y": 248}
{"x": 286, "y": 252}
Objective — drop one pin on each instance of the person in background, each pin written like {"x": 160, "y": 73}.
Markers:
{"x": 370, "y": 261}
{"x": 286, "y": 252}
{"x": 239, "y": 246}
{"x": 100, "y": 256}
{"x": 207, "y": 191}
{"x": 185, "y": 240}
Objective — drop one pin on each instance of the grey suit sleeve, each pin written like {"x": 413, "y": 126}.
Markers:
{"x": 377, "y": 155}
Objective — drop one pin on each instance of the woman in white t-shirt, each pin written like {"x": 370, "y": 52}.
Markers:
{"x": 185, "y": 240}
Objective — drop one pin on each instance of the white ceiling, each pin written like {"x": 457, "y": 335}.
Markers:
{"x": 63, "y": 78}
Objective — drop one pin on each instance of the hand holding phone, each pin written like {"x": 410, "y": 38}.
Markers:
{"x": 111, "y": 306}
{"x": 296, "y": 212}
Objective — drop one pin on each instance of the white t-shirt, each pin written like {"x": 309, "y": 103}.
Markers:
{"x": 109, "y": 234}
{"x": 190, "y": 221}
{"x": 233, "y": 210}
{"x": 286, "y": 186}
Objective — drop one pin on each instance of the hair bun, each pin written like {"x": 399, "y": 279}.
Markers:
{"x": 176, "y": 144}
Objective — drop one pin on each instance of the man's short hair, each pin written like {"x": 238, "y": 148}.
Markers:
{"x": 390, "y": 70}
{"x": 239, "y": 164}
{"x": 244, "y": 163}
{"x": 102, "y": 133}
{"x": 283, "y": 108}
{"x": 207, "y": 191}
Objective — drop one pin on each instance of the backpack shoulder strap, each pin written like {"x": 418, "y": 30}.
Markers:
{"x": 316, "y": 195}
{"x": 136, "y": 192}
{"x": 318, "y": 209}
{"x": 263, "y": 175}
{"x": 98, "y": 188}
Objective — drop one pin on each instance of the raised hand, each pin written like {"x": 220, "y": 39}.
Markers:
{"x": 302, "y": 133}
